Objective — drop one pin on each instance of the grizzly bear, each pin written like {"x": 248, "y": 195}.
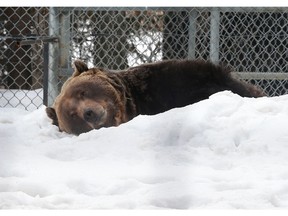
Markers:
{"x": 96, "y": 97}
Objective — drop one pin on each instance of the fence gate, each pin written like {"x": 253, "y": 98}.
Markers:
{"x": 38, "y": 45}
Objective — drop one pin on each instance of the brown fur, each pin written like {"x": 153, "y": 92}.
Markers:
{"x": 94, "y": 98}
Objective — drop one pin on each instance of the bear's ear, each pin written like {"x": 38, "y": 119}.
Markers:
{"x": 79, "y": 67}
{"x": 52, "y": 115}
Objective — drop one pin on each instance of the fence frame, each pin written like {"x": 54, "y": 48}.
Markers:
{"x": 56, "y": 45}
{"x": 214, "y": 34}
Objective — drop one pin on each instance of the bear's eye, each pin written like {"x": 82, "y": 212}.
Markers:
{"x": 82, "y": 93}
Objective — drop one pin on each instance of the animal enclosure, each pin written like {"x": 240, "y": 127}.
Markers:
{"x": 38, "y": 45}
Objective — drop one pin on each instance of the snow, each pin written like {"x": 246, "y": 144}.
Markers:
{"x": 226, "y": 152}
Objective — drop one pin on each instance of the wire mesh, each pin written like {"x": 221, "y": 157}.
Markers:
{"x": 252, "y": 41}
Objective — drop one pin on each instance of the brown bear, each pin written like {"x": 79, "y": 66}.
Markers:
{"x": 96, "y": 97}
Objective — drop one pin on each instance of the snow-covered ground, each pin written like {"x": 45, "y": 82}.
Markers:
{"x": 225, "y": 152}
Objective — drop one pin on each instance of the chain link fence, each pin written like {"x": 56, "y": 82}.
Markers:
{"x": 38, "y": 45}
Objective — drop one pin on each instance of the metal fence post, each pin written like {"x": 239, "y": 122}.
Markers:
{"x": 53, "y": 57}
{"x": 45, "y": 74}
{"x": 214, "y": 35}
{"x": 192, "y": 34}
{"x": 65, "y": 42}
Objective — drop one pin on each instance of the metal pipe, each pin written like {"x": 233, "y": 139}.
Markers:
{"x": 53, "y": 57}
{"x": 192, "y": 34}
{"x": 45, "y": 75}
{"x": 214, "y": 35}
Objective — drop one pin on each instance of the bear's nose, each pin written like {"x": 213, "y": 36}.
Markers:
{"x": 91, "y": 116}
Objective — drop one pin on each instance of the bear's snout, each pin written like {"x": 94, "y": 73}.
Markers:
{"x": 89, "y": 115}
{"x": 93, "y": 116}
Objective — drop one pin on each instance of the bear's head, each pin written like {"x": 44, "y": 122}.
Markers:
{"x": 89, "y": 99}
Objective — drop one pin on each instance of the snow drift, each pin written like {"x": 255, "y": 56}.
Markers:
{"x": 224, "y": 152}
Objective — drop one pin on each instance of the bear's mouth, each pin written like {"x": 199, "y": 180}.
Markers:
{"x": 96, "y": 121}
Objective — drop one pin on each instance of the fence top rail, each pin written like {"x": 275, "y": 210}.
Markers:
{"x": 262, "y": 75}
{"x": 220, "y": 9}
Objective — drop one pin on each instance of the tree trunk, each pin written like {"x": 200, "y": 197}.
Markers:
{"x": 18, "y": 63}
{"x": 110, "y": 45}
{"x": 175, "y": 37}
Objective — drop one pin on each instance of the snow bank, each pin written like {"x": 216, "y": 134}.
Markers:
{"x": 225, "y": 152}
